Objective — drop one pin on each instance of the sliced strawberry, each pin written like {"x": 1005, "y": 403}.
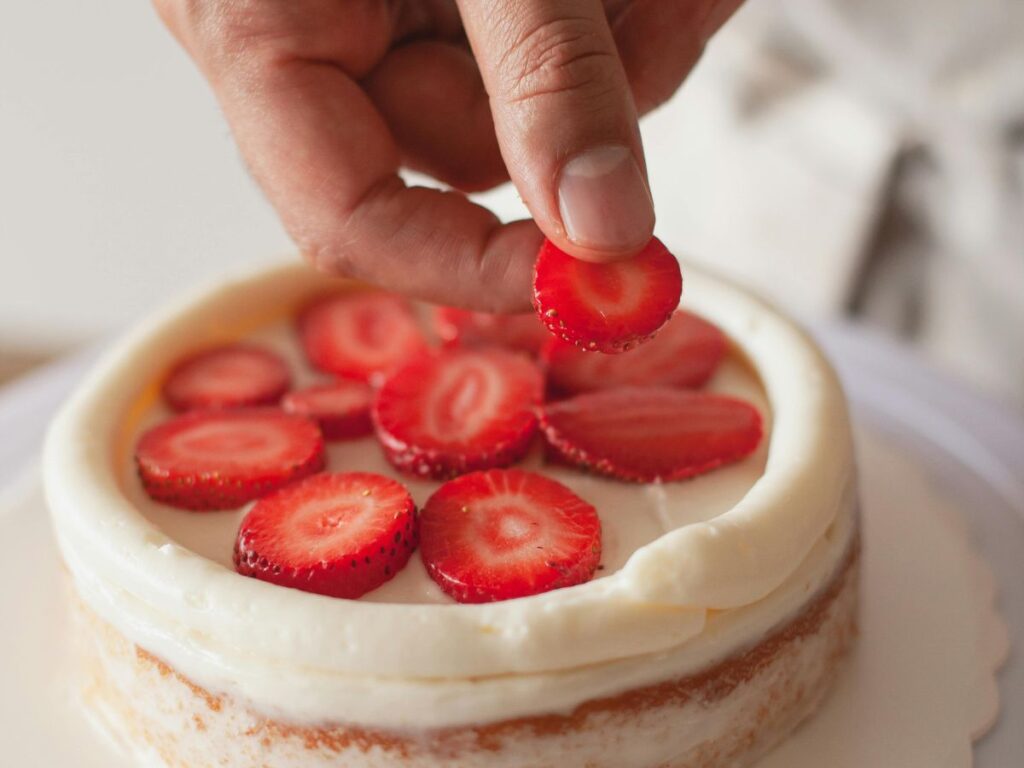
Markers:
{"x": 646, "y": 434}
{"x": 606, "y": 307}
{"x": 334, "y": 534}
{"x": 360, "y": 336}
{"x": 462, "y": 328}
{"x": 231, "y": 376}
{"x": 685, "y": 353}
{"x": 341, "y": 408}
{"x": 506, "y": 533}
{"x": 458, "y": 410}
{"x": 222, "y": 459}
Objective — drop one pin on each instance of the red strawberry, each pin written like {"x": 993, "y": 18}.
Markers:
{"x": 334, "y": 534}
{"x": 454, "y": 411}
{"x": 341, "y": 408}
{"x": 462, "y": 328}
{"x": 230, "y": 376}
{"x": 646, "y": 434}
{"x": 685, "y": 353}
{"x": 506, "y": 533}
{"x": 606, "y": 307}
{"x": 222, "y": 459}
{"x": 360, "y": 336}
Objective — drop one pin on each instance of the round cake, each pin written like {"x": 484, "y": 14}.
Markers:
{"x": 715, "y": 622}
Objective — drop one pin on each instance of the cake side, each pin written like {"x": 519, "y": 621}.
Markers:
{"x": 678, "y": 604}
{"x": 727, "y": 714}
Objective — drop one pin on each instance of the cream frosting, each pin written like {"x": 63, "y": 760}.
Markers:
{"x": 755, "y": 538}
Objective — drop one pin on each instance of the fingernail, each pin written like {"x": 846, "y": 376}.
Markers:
{"x": 604, "y": 200}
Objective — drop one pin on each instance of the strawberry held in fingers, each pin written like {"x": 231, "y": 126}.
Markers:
{"x": 341, "y": 535}
{"x": 685, "y": 353}
{"x": 608, "y": 307}
{"x": 341, "y": 408}
{"x": 360, "y": 335}
{"x": 230, "y": 376}
{"x": 648, "y": 434}
{"x": 502, "y": 534}
{"x": 457, "y": 410}
{"x": 222, "y": 459}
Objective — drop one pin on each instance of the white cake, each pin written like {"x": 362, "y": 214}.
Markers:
{"x": 716, "y": 624}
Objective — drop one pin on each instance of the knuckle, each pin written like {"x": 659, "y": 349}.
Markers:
{"x": 559, "y": 57}
{"x": 227, "y": 29}
{"x": 325, "y": 256}
{"x": 340, "y": 245}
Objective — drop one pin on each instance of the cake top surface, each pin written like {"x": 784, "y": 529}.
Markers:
{"x": 632, "y": 515}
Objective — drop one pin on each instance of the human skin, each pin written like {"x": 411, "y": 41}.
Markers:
{"x": 328, "y": 99}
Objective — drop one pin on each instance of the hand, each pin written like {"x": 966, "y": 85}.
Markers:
{"x": 328, "y": 98}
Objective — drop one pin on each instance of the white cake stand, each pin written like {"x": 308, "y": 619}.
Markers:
{"x": 942, "y": 473}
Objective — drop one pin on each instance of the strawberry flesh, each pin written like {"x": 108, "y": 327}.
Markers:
{"x": 206, "y": 460}
{"x": 341, "y": 534}
{"x": 231, "y": 376}
{"x": 462, "y": 328}
{"x": 502, "y": 534}
{"x": 685, "y": 353}
{"x": 341, "y": 408}
{"x": 648, "y": 434}
{"x": 362, "y": 336}
{"x": 456, "y": 411}
{"x": 606, "y": 307}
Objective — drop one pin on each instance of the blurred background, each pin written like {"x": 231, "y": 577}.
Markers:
{"x": 858, "y": 159}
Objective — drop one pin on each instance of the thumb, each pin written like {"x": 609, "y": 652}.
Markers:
{"x": 565, "y": 119}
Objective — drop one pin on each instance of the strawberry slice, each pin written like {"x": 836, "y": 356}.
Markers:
{"x": 462, "y": 328}
{"x": 341, "y": 408}
{"x": 647, "y": 434}
{"x": 231, "y": 376}
{"x": 334, "y": 534}
{"x": 458, "y": 410}
{"x": 506, "y": 533}
{"x": 222, "y": 459}
{"x": 606, "y": 307}
{"x": 361, "y": 336}
{"x": 685, "y": 353}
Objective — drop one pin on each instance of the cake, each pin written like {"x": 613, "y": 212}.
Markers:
{"x": 716, "y": 621}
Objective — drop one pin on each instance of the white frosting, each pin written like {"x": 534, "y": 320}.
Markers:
{"x": 739, "y": 538}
